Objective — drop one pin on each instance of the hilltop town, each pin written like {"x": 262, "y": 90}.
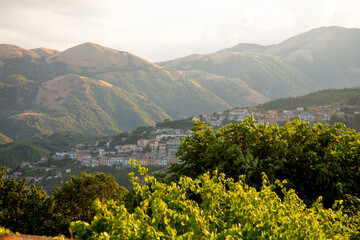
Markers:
{"x": 157, "y": 146}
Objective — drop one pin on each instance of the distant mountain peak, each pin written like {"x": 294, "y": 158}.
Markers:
{"x": 12, "y": 51}
{"x": 245, "y": 47}
{"x": 317, "y": 38}
{"x": 91, "y": 55}
{"x": 44, "y": 52}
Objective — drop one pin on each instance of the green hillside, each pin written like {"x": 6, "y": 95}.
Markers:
{"x": 4, "y": 139}
{"x": 93, "y": 89}
{"x": 234, "y": 91}
{"x": 263, "y": 73}
{"x": 12, "y": 154}
{"x": 91, "y": 107}
{"x": 327, "y": 55}
{"x": 319, "y": 98}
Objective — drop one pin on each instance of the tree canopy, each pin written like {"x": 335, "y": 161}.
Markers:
{"x": 315, "y": 161}
{"x": 31, "y": 211}
{"x": 73, "y": 200}
{"x": 225, "y": 210}
{"x": 24, "y": 210}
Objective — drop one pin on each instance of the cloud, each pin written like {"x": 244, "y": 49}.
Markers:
{"x": 162, "y": 29}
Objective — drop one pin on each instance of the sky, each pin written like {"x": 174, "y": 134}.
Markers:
{"x": 159, "y": 30}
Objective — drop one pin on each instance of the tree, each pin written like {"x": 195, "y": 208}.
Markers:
{"x": 227, "y": 210}
{"x": 334, "y": 118}
{"x": 24, "y": 210}
{"x": 315, "y": 161}
{"x": 73, "y": 200}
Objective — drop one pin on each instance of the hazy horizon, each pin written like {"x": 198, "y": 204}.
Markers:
{"x": 161, "y": 30}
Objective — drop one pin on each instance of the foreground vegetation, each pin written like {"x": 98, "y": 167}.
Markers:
{"x": 215, "y": 207}
{"x": 315, "y": 161}
{"x": 245, "y": 181}
{"x": 31, "y": 211}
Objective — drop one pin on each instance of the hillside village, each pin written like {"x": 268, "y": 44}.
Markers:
{"x": 161, "y": 149}
{"x": 309, "y": 114}
{"x": 159, "y": 146}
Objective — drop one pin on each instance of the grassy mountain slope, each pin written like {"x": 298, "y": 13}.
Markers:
{"x": 4, "y": 139}
{"x": 329, "y": 55}
{"x": 264, "y": 73}
{"x": 80, "y": 104}
{"x": 319, "y": 98}
{"x": 234, "y": 91}
{"x": 172, "y": 91}
{"x": 94, "y": 89}
{"x": 12, "y": 51}
{"x": 117, "y": 90}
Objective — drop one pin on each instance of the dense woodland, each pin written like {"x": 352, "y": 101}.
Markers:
{"x": 346, "y": 96}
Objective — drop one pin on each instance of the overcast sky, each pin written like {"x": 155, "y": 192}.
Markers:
{"x": 165, "y": 29}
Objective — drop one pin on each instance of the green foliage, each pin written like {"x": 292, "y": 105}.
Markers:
{"x": 4, "y": 139}
{"x": 143, "y": 130}
{"x": 4, "y": 230}
{"x": 73, "y": 200}
{"x": 12, "y": 154}
{"x": 62, "y": 141}
{"x": 34, "y": 68}
{"x": 319, "y": 98}
{"x": 184, "y": 124}
{"x": 118, "y": 139}
{"x": 17, "y": 92}
{"x": 315, "y": 161}
{"x": 24, "y": 210}
{"x": 17, "y": 80}
{"x": 226, "y": 210}
{"x": 350, "y": 120}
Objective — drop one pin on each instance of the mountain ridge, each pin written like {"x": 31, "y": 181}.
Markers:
{"x": 97, "y": 89}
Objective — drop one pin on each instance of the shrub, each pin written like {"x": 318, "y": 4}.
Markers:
{"x": 226, "y": 210}
{"x": 315, "y": 161}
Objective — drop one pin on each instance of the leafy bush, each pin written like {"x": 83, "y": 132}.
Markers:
{"x": 73, "y": 200}
{"x": 184, "y": 124}
{"x": 25, "y": 210}
{"x": 226, "y": 210}
{"x": 30, "y": 211}
{"x": 315, "y": 161}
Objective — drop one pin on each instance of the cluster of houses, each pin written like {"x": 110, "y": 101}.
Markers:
{"x": 52, "y": 170}
{"x": 161, "y": 148}
{"x": 311, "y": 114}
{"x": 160, "y": 151}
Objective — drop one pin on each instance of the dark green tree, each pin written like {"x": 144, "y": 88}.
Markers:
{"x": 24, "y": 210}
{"x": 315, "y": 161}
{"x": 73, "y": 200}
{"x": 226, "y": 210}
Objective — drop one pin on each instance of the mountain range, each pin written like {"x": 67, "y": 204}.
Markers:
{"x": 94, "y": 89}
